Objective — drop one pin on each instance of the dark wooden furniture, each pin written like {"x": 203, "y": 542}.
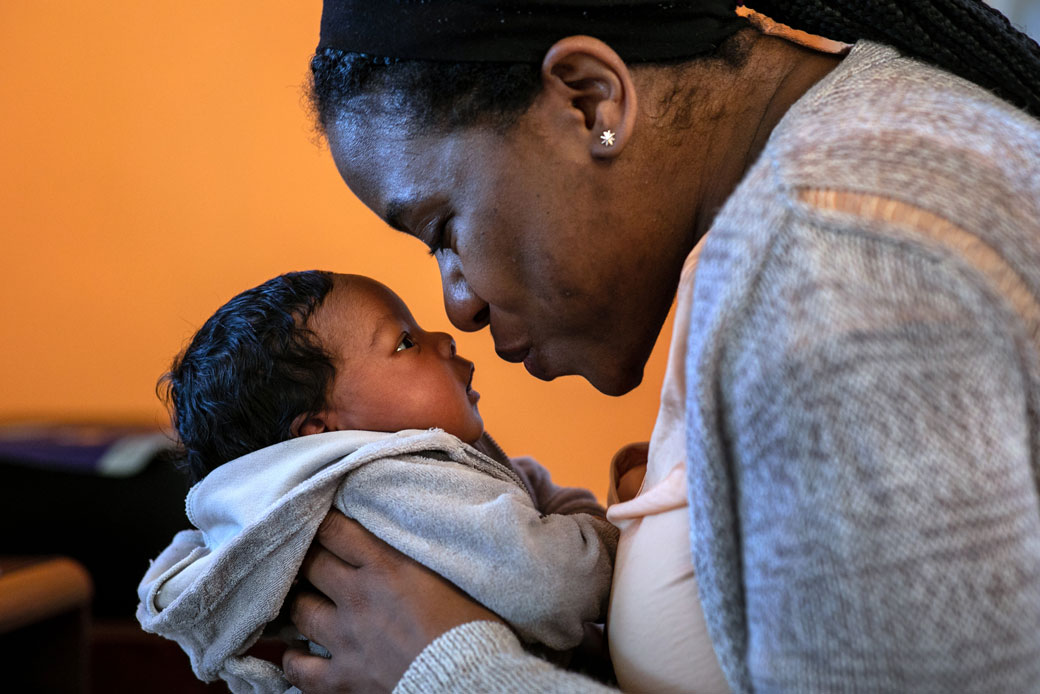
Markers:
{"x": 44, "y": 621}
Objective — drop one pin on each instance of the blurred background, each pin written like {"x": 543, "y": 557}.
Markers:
{"x": 158, "y": 158}
{"x": 1024, "y": 14}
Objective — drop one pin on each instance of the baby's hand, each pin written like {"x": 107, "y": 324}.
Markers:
{"x": 629, "y": 469}
{"x": 630, "y": 482}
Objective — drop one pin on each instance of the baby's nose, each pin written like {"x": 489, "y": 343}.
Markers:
{"x": 447, "y": 345}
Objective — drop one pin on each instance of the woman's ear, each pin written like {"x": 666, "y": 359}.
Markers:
{"x": 309, "y": 423}
{"x": 595, "y": 87}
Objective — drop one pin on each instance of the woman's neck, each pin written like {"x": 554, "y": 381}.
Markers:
{"x": 795, "y": 72}
{"x": 736, "y": 111}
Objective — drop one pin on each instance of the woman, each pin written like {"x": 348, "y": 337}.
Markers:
{"x": 854, "y": 381}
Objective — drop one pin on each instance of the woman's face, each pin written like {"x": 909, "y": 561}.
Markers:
{"x": 548, "y": 247}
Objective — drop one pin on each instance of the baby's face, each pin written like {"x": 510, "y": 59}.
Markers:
{"x": 390, "y": 373}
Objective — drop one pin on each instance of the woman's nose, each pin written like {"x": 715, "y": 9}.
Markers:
{"x": 465, "y": 309}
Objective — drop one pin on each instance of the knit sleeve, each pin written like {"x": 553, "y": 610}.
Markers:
{"x": 487, "y": 657}
{"x": 877, "y": 414}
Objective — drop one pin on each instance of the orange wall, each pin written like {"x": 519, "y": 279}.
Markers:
{"x": 157, "y": 158}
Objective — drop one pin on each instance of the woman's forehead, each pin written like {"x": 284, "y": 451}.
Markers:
{"x": 397, "y": 176}
{"x": 378, "y": 162}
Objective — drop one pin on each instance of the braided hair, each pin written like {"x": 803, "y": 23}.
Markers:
{"x": 965, "y": 37}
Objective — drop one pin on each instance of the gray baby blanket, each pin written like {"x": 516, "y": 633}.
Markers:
{"x": 459, "y": 512}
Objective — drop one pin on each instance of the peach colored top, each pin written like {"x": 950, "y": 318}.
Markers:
{"x": 656, "y": 631}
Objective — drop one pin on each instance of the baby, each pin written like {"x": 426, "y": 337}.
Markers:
{"x": 315, "y": 391}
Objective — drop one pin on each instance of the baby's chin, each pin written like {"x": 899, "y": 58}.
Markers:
{"x": 472, "y": 435}
{"x": 468, "y": 429}
{"x": 471, "y": 440}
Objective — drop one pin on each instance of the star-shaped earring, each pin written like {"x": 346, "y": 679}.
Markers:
{"x": 607, "y": 138}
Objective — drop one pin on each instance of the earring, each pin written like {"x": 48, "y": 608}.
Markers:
{"x": 607, "y": 138}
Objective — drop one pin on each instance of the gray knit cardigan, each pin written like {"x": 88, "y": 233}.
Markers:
{"x": 862, "y": 407}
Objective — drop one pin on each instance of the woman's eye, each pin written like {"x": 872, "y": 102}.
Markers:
{"x": 436, "y": 239}
{"x": 406, "y": 343}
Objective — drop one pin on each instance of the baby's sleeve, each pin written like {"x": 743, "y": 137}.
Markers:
{"x": 545, "y": 574}
{"x": 552, "y": 498}
{"x": 548, "y": 496}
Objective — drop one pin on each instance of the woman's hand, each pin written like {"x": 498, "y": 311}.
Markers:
{"x": 378, "y": 611}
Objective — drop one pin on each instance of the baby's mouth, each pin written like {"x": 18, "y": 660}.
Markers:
{"x": 473, "y": 395}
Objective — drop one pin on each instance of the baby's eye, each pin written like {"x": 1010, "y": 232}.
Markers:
{"x": 406, "y": 343}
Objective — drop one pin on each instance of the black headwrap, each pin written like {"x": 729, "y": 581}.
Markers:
{"x": 521, "y": 31}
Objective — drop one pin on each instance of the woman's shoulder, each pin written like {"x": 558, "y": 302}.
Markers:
{"x": 884, "y": 153}
{"x": 881, "y": 118}
{"x": 886, "y": 132}
{"x": 878, "y": 85}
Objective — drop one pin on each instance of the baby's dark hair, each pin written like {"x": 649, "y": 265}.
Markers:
{"x": 249, "y": 371}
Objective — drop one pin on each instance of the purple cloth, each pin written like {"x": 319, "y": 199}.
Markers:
{"x": 79, "y": 448}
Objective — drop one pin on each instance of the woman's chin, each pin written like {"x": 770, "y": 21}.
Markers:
{"x": 614, "y": 380}
{"x": 607, "y": 375}
{"x": 536, "y": 368}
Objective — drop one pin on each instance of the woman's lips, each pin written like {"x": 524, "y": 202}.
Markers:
{"x": 513, "y": 354}
{"x": 526, "y": 355}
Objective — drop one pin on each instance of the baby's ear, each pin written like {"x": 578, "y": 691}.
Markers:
{"x": 307, "y": 424}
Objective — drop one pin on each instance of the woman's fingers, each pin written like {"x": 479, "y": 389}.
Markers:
{"x": 382, "y": 609}
{"x": 313, "y": 616}
{"x": 348, "y": 540}
{"x": 306, "y": 671}
{"x": 329, "y": 574}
